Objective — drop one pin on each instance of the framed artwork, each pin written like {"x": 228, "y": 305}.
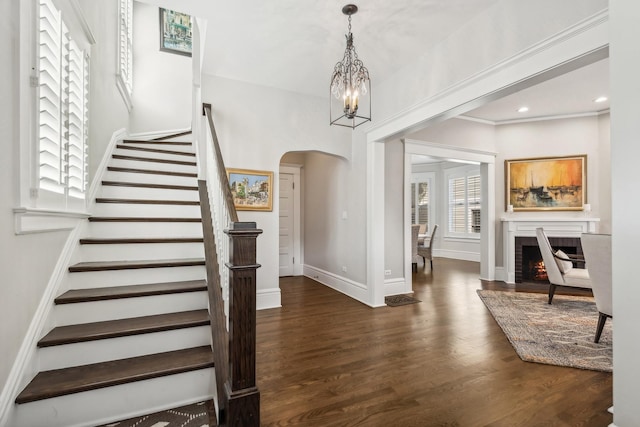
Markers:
{"x": 175, "y": 32}
{"x": 252, "y": 190}
{"x": 546, "y": 184}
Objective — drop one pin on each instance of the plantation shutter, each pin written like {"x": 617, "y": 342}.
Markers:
{"x": 77, "y": 102}
{"x": 126, "y": 44}
{"x": 50, "y": 133}
{"x": 473, "y": 201}
{"x": 63, "y": 100}
{"x": 457, "y": 205}
{"x": 423, "y": 203}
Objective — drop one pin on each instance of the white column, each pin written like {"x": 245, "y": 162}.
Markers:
{"x": 625, "y": 154}
{"x": 375, "y": 223}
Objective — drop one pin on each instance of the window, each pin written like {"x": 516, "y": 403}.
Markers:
{"x": 464, "y": 203}
{"x": 63, "y": 99}
{"x": 125, "y": 51}
{"x": 420, "y": 196}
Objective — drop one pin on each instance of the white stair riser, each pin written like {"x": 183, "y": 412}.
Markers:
{"x": 139, "y": 251}
{"x": 95, "y": 279}
{"x": 77, "y": 354}
{"x": 153, "y": 155}
{"x": 98, "y": 311}
{"x": 177, "y": 147}
{"x": 116, "y": 403}
{"x": 118, "y": 192}
{"x": 148, "y": 210}
{"x": 137, "y": 164}
{"x": 150, "y": 178}
{"x": 144, "y": 229}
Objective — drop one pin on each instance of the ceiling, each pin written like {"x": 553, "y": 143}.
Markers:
{"x": 569, "y": 94}
{"x": 294, "y": 44}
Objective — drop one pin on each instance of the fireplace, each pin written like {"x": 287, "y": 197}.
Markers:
{"x": 523, "y": 225}
{"x": 529, "y": 266}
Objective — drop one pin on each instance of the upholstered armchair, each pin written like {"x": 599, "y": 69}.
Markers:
{"x": 559, "y": 266}
{"x": 597, "y": 255}
{"x": 426, "y": 251}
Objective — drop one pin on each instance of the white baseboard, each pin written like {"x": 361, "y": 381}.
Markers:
{"x": 500, "y": 274}
{"x": 25, "y": 365}
{"x": 461, "y": 255}
{"x": 268, "y": 298}
{"x": 355, "y": 290}
{"x": 396, "y": 286}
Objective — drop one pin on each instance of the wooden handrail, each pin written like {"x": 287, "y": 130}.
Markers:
{"x": 222, "y": 176}
{"x": 234, "y": 347}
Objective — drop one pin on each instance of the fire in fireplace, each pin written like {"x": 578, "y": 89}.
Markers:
{"x": 529, "y": 266}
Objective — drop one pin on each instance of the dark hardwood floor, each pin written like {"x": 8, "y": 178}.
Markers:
{"x": 327, "y": 360}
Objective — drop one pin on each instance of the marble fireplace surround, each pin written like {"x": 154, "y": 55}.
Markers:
{"x": 518, "y": 225}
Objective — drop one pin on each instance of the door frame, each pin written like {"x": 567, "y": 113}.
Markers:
{"x": 298, "y": 254}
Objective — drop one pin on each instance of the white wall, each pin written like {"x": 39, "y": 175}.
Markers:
{"x": 394, "y": 243}
{"x": 625, "y": 152}
{"x": 161, "y": 80}
{"x": 107, "y": 110}
{"x": 256, "y": 126}
{"x": 27, "y": 261}
{"x": 561, "y": 137}
{"x": 508, "y": 27}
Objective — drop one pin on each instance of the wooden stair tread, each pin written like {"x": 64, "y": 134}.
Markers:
{"x": 141, "y": 219}
{"x": 148, "y": 201}
{"x": 112, "y": 241}
{"x": 124, "y": 327}
{"x": 130, "y": 291}
{"x": 150, "y": 159}
{"x": 154, "y": 172}
{"x": 77, "y": 379}
{"x": 127, "y": 265}
{"x": 173, "y": 135}
{"x": 149, "y": 185}
{"x": 152, "y": 142}
{"x": 154, "y": 150}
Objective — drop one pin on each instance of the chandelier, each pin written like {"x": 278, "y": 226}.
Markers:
{"x": 350, "y": 84}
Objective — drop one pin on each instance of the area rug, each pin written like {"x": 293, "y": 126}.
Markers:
{"x": 195, "y": 415}
{"x": 397, "y": 300}
{"x": 558, "y": 334}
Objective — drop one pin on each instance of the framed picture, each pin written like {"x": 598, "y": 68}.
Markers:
{"x": 175, "y": 32}
{"x": 546, "y": 184}
{"x": 252, "y": 190}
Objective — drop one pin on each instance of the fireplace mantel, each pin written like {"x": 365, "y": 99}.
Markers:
{"x": 525, "y": 226}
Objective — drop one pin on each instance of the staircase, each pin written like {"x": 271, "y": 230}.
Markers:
{"x": 132, "y": 332}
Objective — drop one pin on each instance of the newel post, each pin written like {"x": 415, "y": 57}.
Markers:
{"x": 242, "y": 393}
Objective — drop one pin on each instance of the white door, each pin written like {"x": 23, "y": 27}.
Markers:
{"x": 286, "y": 224}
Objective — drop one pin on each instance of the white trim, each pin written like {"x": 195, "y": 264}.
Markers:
{"x": 122, "y": 88}
{"x": 590, "y": 31}
{"x": 96, "y": 181}
{"x": 500, "y": 274}
{"x": 434, "y": 149}
{"x": 396, "y": 287}
{"x": 355, "y": 290}
{"x": 268, "y": 298}
{"x": 453, "y": 254}
{"x": 297, "y": 218}
{"x": 33, "y": 220}
{"x": 25, "y": 363}
{"x": 157, "y": 134}
{"x": 533, "y": 119}
{"x": 77, "y": 10}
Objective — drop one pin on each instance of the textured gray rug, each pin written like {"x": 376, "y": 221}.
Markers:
{"x": 195, "y": 415}
{"x": 558, "y": 334}
{"x": 398, "y": 300}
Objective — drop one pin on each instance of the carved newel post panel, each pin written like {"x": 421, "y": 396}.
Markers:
{"x": 243, "y": 395}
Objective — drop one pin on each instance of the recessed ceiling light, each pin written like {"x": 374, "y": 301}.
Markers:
{"x": 523, "y": 109}
{"x": 600, "y": 99}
